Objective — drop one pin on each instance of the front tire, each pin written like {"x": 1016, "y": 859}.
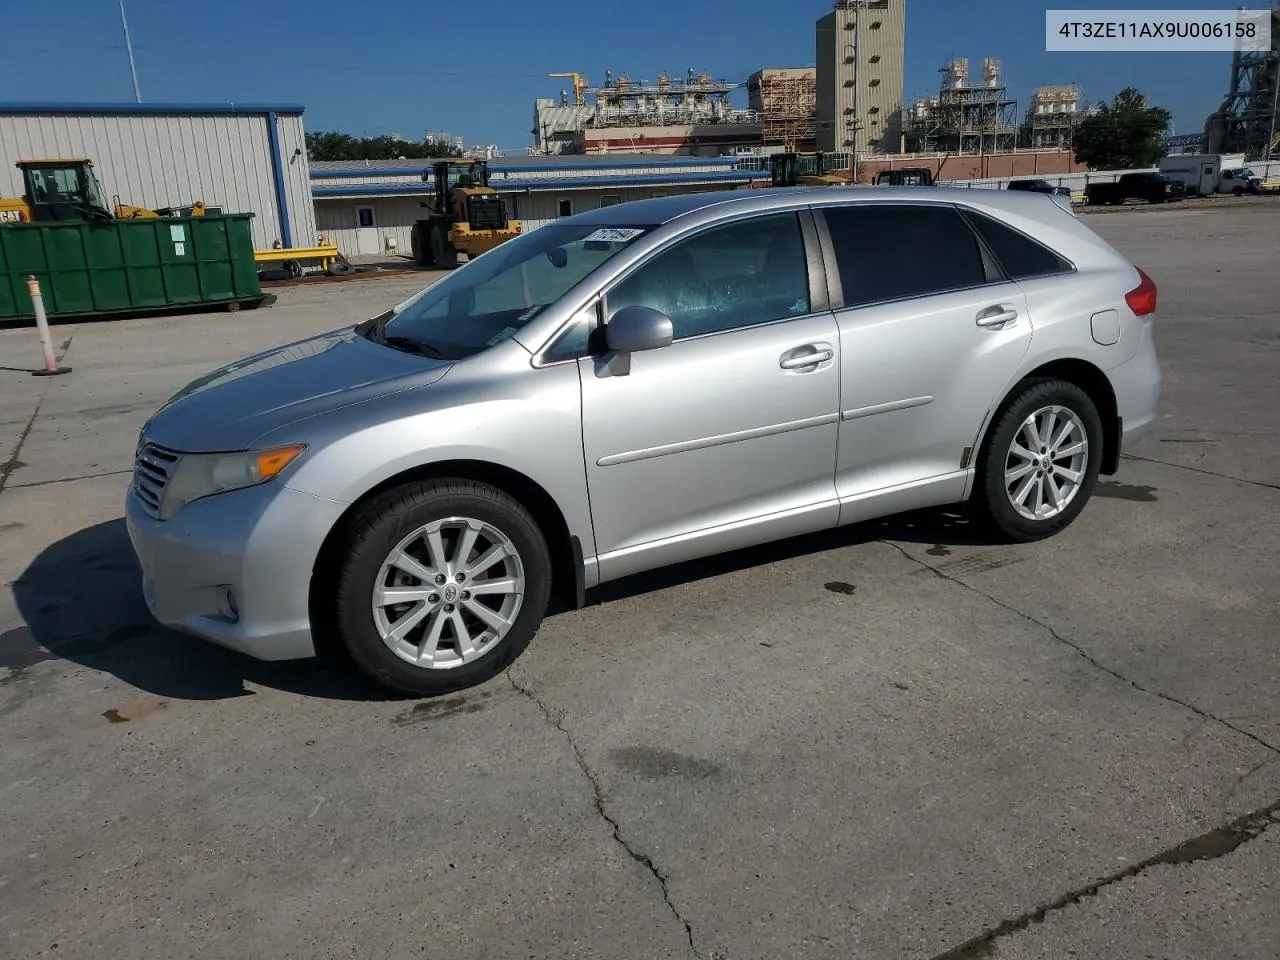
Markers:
{"x": 441, "y": 586}
{"x": 1040, "y": 463}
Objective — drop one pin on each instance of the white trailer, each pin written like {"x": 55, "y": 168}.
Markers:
{"x": 1206, "y": 173}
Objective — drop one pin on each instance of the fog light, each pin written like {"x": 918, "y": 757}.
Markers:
{"x": 227, "y": 605}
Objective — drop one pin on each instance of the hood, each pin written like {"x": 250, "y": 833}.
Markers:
{"x": 232, "y": 407}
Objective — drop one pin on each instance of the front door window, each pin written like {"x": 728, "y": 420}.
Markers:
{"x": 740, "y": 275}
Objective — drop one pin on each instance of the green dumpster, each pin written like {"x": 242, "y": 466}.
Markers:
{"x": 128, "y": 266}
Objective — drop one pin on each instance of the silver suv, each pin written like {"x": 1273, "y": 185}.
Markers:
{"x": 632, "y": 387}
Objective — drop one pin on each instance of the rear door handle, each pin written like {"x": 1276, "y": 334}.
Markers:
{"x": 997, "y": 316}
{"x": 809, "y": 355}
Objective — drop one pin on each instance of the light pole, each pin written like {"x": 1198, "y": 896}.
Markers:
{"x": 128, "y": 45}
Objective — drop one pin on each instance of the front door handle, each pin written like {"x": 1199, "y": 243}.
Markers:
{"x": 807, "y": 356}
{"x": 997, "y": 316}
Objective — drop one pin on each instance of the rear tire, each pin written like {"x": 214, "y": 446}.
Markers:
{"x": 1031, "y": 486}
{"x": 448, "y": 627}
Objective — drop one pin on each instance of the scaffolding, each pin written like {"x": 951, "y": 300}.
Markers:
{"x": 1249, "y": 120}
{"x": 1052, "y": 116}
{"x": 623, "y": 102}
{"x": 786, "y": 101}
{"x": 965, "y": 118}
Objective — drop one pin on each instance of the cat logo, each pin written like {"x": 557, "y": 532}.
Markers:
{"x": 11, "y": 216}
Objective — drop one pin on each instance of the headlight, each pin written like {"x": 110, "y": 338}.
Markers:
{"x": 200, "y": 475}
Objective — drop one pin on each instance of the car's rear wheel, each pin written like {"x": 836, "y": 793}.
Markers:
{"x": 441, "y": 585}
{"x": 1040, "y": 462}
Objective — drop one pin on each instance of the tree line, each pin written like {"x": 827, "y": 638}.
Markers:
{"x": 331, "y": 145}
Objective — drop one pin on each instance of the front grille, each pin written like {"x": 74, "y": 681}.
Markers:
{"x": 152, "y": 469}
{"x": 486, "y": 211}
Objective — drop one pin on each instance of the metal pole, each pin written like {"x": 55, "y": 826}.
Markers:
{"x": 1275, "y": 105}
{"x": 51, "y": 368}
{"x": 857, "y": 55}
{"x": 128, "y": 45}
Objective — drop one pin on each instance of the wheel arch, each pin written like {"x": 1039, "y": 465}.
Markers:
{"x": 568, "y": 581}
{"x": 1089, "y": 378}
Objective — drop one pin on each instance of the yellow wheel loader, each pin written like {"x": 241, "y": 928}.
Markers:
{"x": 69, "y": 190}
{"x": 466, "y": 215}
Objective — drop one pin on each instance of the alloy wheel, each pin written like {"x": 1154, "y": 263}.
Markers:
{"x": 448, "y": 593}
{"x": 1046, "y": 463}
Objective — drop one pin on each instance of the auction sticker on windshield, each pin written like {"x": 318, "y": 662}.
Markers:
{"x": 613, "y": 235}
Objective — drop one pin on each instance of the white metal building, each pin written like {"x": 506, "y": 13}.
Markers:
{"x": 370, "y": 208}
{"x": 243, "y": 158}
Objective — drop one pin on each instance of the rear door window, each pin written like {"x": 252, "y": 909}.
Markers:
{"x": 1018, "y": 255}
{"x": 897, "y": 251}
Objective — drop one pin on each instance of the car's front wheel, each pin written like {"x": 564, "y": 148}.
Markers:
{"x": 1040, "y": 463}
{"x": 441, "y": 585}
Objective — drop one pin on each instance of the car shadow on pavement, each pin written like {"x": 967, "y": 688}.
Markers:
{"x": 945, "y": 528}
{"x": 81, "y": 599}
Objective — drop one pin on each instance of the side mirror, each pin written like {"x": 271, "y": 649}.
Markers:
{"x": 637, "y": 328}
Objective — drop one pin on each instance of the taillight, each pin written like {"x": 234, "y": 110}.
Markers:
{"x": 1142, "y": 298}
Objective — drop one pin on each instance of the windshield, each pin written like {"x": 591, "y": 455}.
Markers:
{"x": 92, "y": 190}
{"x": 488, "y": 300}
{"x": 466, "y": 176}
{"x": 1247, "y": 173}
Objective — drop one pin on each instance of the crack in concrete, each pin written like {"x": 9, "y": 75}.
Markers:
{"x": 1207, "y": 473}
{"x": 7, "y": 468}
{"x": 598, "y": 795}
{"x": 13, "y": 462}
{"x": 1083, "y": 653}
{"x": 1211, "y": 845}
{"x": 87, "y": 476}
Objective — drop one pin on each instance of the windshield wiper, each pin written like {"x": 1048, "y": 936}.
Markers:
{"x": 413, "y": 345}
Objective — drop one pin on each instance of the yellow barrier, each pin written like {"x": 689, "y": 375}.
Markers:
{"x": 326, "y": 254}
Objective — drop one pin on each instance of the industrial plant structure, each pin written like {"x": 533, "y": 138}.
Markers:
{"x": 1248, "y": 121}
{"x": 786, "y": 101}
{"x": 965, "y": 117}
{"x": 1051, "y": 117}
{"x": 692, "y": 116}
{"x": 860, "y": 52}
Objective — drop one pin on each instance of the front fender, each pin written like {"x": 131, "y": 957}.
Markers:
{"x": 530, "y": 422}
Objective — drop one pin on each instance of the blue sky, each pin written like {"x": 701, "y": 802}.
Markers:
{"x": 374, "y": 67}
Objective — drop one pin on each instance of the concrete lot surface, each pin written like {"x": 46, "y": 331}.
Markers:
{"x": 894, "y": 741}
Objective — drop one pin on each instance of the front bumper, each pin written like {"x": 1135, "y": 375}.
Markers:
{"x": 260, "y": 543}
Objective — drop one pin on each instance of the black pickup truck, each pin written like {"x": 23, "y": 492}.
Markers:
{"x": 1151, "y": 187}
{"x": 1039, "y": 186}
{"x": 905, "y": 177}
